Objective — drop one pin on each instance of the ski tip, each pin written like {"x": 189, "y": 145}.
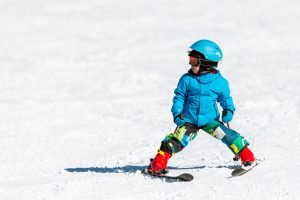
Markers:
{"x": 243, "y": 170}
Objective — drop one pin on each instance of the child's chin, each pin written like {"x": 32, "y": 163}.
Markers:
{"x": 195, "y": 71}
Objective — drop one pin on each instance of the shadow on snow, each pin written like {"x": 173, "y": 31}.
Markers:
{"x": 135, "y": 168}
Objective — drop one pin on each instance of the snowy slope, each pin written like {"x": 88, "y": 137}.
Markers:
{"x": 86, "y": 90}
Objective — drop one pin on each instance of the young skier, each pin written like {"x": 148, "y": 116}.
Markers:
{"x": 195, "y": 107}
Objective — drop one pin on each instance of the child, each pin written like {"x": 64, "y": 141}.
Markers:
{"x": 195, "y": 107}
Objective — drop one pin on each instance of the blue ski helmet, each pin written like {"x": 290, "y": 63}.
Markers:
{"x": 209, "y": 49}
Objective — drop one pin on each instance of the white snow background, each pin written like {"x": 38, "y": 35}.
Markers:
{"x": 86, "y": 89}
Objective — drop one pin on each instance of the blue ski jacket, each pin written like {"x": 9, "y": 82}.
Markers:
{"x": 196, "y": 97}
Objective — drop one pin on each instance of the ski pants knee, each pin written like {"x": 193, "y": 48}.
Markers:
{"x": 175, "y": 142}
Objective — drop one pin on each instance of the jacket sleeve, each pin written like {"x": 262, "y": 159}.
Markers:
{"x": 180, "y": 96}
{"x": 225, "y": 99}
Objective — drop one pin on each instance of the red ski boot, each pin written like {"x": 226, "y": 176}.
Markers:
{"x": 158, "y": 165}
{"x": 247, "y": 157}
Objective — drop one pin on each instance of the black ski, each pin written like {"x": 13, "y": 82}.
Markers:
{"x": 185, "y": 177}
{"x": 242, "y": 170}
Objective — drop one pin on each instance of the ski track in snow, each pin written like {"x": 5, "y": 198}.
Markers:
{"x": 86, "y": 89}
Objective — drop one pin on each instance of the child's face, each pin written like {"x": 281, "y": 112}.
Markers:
{"x": 194, "y": 62}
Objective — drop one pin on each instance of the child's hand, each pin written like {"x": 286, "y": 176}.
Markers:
{"x": 227, "y": 115}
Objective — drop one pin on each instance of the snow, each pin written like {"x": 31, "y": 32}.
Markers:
{"x": 86, "y": 90}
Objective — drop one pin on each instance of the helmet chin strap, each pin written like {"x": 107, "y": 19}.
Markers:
{"x": 204, "y": 68}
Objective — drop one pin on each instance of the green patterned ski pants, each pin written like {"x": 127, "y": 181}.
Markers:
{"x": 175, "y": 142}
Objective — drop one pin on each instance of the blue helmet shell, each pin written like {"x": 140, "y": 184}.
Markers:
{"x": 209, "y": 49}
